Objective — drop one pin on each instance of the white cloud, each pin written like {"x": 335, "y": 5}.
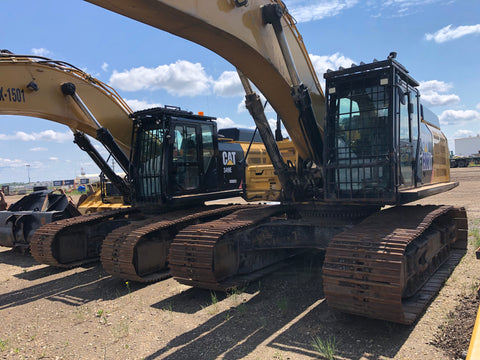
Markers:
{"x": 17, "y": 163}
{"x": 435, "y": 99}
{"x": 41, "y": 52}
{"x": 322, "y": 63}
{"x": 268, "y": 109}
{"x": 105, "y": 66}
{"x": 448, "y": 33}
{"x": 47, "y": 135}
{"x": 434, "y": 85}
{"x": 226, "y": 123}
{"x": 182, "y": 78}
{"x": 137, "y": 105}
{"x": 463, "y": 134}
{"x": 36, "y": 149}
{"x": 306, "y": 11}
{"x": 458, "y": 117}
{"x": 228, "y": 84}
{"x": 11, "y": 163}
{"x": 53, "y": 158}
{"x": 397, "y": 8}
{"x": 430, "y": 93}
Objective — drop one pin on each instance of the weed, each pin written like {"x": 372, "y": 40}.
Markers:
{"x": 213, "y": 297}
{"x": 121, "y": 330}
{"x": 81, "y": 314}
{"x": 475, "y": 235}
{"x": 473, "y": 288}
{"x": 283, "y": 305}
{"x": 242, "y": 308}
{"x": 278, "y": 355}
{"x": 235, "y": 293}
{"x": 126, "y": 346}
{"x": 168, "y": 308}
{"x": 99, "y": 313}
{"x": 325, "y": 347}
{"x": 127, "y": 283}
{"x": 3, "y": 344}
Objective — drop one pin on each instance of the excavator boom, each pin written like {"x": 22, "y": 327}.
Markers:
{"x": 236, "y": 31}
{"x": 32, "y": 86}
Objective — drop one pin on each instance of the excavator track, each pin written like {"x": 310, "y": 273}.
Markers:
{"x": 390, "y": 265}
{"x": 72, "y": 242}
{"x": 139, "y": 251}
{"x": 208, "y": 255}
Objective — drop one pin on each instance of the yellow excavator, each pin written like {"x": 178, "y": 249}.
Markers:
{"x": 173, "y": 161}
{"x": 366, "y": 144}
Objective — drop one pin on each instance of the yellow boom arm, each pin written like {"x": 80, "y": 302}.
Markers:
{"x": 237, "y": 33}
{"x": 31, "y": 86}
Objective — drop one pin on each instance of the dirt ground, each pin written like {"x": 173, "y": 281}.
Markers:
{"x": 84, "y": 313}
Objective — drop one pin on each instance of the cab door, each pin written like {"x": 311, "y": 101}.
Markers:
{"x": 185, "y": 169}
{"x": 408, "y": 130}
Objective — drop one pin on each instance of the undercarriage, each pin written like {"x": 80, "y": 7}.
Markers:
{"x": 380, "y": 264}
{"x": 386, "y": 266}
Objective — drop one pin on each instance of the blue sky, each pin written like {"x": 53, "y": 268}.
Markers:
{"x": 437, "y": 40}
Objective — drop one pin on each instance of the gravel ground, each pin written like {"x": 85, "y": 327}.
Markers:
{"x": 84, "y": 313}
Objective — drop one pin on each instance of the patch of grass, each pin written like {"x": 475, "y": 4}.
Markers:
{"x": 3, "y": 344}
{"x": 213, "y": 297}
{"x": 168, "y": 308}
{"x": 447, "y": 324}
{"x": 469, "y": 289}
{"x": 325, "y": 347}
{"x": 278, "y": 355}
{"x": 213, "y": 307}
{"x": 121, "y": 330}
{"x": 235, "y": 293}
{"x": 242, "y": 308}
{"x": 81, "y": 314}
{"x": 475, "y": 237}
{"x": 283, "y": 305}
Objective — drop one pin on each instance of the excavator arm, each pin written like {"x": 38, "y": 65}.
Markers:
{"x": 239, "y": 32}
{"x": 39, "y": 87}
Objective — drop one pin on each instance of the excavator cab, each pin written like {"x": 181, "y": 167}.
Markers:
{"x": 378, "y": 145}
{"x": 176, "y": 158}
